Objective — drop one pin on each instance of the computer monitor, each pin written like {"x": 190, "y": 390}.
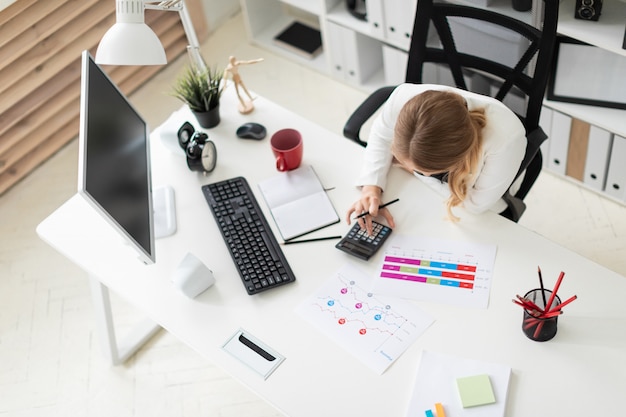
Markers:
{"x": 114, "y": 159}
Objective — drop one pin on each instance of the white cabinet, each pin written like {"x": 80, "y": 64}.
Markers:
{"x": 394, "y": 63}
{"x": 264, "y": 19}
{"x": 607, "y": 33}
{"x": 354, "y": 57}
{"x": 389, "y": 24}
{"x": 616, "y": 177}
{"x": 605, "y": 163}
{"x": 398, "y": 21}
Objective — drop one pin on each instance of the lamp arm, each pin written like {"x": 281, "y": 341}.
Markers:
{"x": 190, "y": 32}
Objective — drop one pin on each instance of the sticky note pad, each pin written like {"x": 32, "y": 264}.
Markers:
{"x": 475, "y": 390}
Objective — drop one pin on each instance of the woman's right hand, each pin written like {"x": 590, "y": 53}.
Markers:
{"x": 369, "y": 202}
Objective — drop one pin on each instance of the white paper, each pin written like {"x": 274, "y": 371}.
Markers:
{"x": 443, "y": 271}
{"x": 435, "y": 382}
{"x": 375, "y": 329}
{"x": 298, "y": 202}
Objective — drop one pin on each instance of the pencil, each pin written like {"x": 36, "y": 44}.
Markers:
{"x": 533, "y": 311}
{"x": 550, "y": 300}
{"x": 543, "y": 293}
{"x": 563, "y": 304}
{"x": 290, "y": 242}
{"x": 554, "y": 291}
{"x": 529, "y": 303}
{"x": 379, "y": 207}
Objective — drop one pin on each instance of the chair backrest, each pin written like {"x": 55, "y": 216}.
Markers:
{"x": 465, "y": 34}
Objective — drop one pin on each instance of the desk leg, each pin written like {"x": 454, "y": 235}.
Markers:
{"x": 114, "y": 352}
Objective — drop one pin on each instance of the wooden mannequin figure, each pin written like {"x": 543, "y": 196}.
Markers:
{"x": 245, "y": 105}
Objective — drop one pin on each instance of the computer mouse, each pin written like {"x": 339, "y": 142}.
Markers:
{"x": 251, "y": 131}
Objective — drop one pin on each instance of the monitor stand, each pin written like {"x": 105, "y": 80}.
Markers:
{"x": 164, "y": 208}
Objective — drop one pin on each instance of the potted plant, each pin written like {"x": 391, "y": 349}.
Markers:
{"x": 200, "y": 89}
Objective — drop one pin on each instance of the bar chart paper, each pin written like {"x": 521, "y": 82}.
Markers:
{"x": 444, "y": 271}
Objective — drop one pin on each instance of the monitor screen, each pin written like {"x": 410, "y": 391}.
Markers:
{"x": 114, "y": 163}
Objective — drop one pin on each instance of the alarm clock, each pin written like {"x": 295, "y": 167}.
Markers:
{"x": 200, "y": 152}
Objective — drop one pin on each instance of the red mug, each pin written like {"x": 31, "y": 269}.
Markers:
{"x": 287, "y": 147}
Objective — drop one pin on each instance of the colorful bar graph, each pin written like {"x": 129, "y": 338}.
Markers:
{"x": 428, "y": 272}
{"x": 431, "y": 269}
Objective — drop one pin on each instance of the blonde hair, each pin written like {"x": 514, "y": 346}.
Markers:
{"x": 437, "y": 132}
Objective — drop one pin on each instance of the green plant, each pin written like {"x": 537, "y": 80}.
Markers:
{"x": 199, "y": 89}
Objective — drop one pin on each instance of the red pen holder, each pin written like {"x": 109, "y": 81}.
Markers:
{"x": 535, "y": 327}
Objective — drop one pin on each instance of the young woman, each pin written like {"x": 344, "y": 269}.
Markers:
{"x": 465, "y": 145}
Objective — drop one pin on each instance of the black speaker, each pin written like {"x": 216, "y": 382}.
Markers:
{"x": 624, "y": 44}
{"x": 588, "y": 9}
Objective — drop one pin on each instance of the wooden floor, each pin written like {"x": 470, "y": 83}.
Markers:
{"x": 50, "y": 361}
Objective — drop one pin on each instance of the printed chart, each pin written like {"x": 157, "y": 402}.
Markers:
{"x": 376, "y": 329}
{"x": 436, "y": 270}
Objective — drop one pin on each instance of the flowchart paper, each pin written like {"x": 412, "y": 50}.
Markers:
{"x": 376, "y": 329}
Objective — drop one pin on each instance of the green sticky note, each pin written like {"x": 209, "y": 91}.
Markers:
{"x": 475, "y": 390}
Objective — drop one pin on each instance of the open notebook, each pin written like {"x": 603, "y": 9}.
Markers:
{"x": 298, "y": 202}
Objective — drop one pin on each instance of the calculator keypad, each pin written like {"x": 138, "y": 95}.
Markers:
{"x": 358, "y": 243}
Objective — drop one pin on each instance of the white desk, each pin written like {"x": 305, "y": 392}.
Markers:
{"x": 581, "y": 372}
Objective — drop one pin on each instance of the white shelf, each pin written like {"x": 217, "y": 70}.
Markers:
{"x": 606, "y": 33}
{"x": 313, "y": 7}
{"x": 613, "y": 120}
{"x": 267, "y": 18}
{"x": 501, "y": 6}
{"x": 374, "y": 82}
{"x": 340, "y": 15}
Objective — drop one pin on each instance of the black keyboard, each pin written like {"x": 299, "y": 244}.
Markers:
{"x": 250, "y": 241}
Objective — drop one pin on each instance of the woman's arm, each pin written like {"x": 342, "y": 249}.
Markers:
{"x": 377, "y": 156}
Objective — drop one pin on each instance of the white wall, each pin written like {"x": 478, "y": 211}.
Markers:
{"x": 218, "y": 11}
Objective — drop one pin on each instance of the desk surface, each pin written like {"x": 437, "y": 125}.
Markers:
{"x": 580, "y": 372}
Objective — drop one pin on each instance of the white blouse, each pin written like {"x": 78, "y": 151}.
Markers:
{"x": 503, "y": 148}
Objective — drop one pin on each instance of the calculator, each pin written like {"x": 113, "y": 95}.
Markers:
{"x": 358, "y": 243}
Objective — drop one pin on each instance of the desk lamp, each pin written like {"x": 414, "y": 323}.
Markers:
{"x": 131, "y": 42}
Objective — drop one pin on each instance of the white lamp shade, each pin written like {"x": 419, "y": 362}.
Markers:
{"x": 130, "y": 44}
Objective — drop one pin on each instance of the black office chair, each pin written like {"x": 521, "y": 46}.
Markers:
{"x": 509, "y": 77}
